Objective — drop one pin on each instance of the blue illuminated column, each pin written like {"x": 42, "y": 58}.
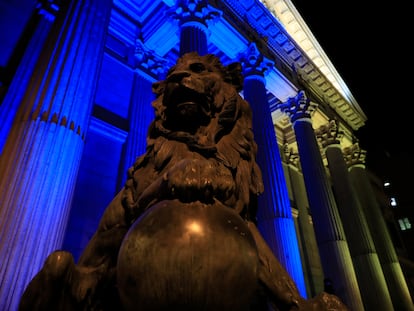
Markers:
{"x": 193, "y": 17}
{"x": 394, "y": 276}
{"x": 333, "y": 247}
{"x": 148, "y": 69}
{"x": 140, "y": 116}
{"x": 16, "y": 90}
{"x": 274, "y": 212}
{"x": 371, "y": 281}
{"x": 41, "y": 157}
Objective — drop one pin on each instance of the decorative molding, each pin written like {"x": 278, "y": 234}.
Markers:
{"x": 194, "y": 11}
{"x": 254, "y": 63}
{"x": 48, "y": 9}
{"x": 282, "y": 43}
{"x": 298, "y": 107}
{"x": 149, "y": 61}
{"x": 251, "y": 21}
{"x": 291, "y": 156}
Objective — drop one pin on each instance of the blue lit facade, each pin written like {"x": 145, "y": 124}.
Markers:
{"x": 76, "y": 104}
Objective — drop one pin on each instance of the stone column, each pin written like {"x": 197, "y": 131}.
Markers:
{"x": 41, "y": 157}
{"x": 333, "y": 247}
{"x": 193, "y": 17}
{"x": 274, "y": 212}
{"x": 140, "y": 116}
{"x": 312, "y": 265}
{"x": 8, "y": 108}
{"x": 394, "y": 277}
{"x": 148, "y": 69}
{"x": 371, "y": 281}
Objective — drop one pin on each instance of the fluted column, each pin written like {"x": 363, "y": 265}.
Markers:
{"x": 312, "y": 265}
{"x": 371, "y": 281}
{"x": 148, "y": 68}
{"x": 42, "y": 155}
{"x": 274, "y": 212}
{"x": 394, "y": 277}
{"x": 193, "y": 17}
{"x": 140, "y": 116}
{"x": 333, "y": 247}
{"x": 8, "y": 108}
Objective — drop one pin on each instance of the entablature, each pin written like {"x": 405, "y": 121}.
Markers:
{"x": 299, "y": 63}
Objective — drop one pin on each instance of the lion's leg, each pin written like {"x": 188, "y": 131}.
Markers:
{"x": 105, "y": 243}
{"x": 283, "y": 291}
{"x": 97, "y": 263}
{"x": 61, "y": 283}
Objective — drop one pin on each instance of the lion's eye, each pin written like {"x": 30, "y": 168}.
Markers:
{"x": 197, "y": 67}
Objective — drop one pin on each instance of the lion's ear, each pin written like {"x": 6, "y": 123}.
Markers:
{"x": 234, "y": 75}
{"x": 158, "y": 88}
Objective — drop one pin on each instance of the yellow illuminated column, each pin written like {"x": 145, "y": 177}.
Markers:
{"x": 368, "y": 269}
{"x": 333, "y": 246}
{"x": 394, "y": 277}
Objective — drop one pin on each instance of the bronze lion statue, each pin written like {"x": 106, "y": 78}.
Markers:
{"x": 181, "y": 234}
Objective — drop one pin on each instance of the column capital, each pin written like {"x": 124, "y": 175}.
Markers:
{"x": 47, "y": 9}
{"x": 354, "y": 155}
{"x": 148, "y": 61}
{"x": 291, "y": 157}
{"x": 298, "y": 107}
{"x": 196, "y": 13}
{"x": 255, "y": 63}
{"x": 329, "y": 134}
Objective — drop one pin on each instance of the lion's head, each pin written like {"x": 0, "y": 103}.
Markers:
{"x": 198, "y": 97}
{"x": 198, "y": 106}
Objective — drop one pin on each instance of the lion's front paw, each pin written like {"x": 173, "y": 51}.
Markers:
{"x": 47, "y": 290}
{"x": 326, "y": 302}
{"x": 199, "y": 179}
{"x": 85, "y": 281}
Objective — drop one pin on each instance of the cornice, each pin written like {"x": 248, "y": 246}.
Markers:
{"x": 309, "y": 71}
{"x": 317, "y": 70}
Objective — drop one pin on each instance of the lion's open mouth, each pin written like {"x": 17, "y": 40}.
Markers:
{"x": 187, "y": 102}
{"x": 182, "y": 95}
{"x": 186, "y": 109}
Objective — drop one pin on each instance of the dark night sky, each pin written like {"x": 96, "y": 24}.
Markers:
{"x": 370, "y": 48}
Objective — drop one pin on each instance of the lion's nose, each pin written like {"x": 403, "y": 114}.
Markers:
{"x": 178, "y": 76}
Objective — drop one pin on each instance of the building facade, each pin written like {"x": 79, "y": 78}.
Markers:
{"x": 76, "y": 104}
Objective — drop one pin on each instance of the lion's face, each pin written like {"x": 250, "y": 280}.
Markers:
{"x": 189, "y": 93}
{"x": 201, "y": 142}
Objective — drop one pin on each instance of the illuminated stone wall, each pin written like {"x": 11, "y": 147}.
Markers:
{"x": 75, "y": 106}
